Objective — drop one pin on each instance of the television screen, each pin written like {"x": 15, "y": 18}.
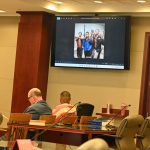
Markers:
{"x": 91, "y": 42}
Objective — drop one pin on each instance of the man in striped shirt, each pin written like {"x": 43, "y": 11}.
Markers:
{"x": 64, "y": 107}
{"x": 60, "y": 110}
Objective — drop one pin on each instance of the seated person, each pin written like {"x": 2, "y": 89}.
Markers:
{"x": 60, "y": 110}
{"x": 64, "y": 107}
{"x": 38, "y": 105}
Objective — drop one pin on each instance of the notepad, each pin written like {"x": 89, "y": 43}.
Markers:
{"x": 37, "y": 122}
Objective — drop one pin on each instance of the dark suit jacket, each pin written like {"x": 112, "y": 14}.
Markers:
{"x": 37, "y": 109}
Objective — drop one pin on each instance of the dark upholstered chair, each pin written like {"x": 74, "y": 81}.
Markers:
{"x": 85, "y": 109}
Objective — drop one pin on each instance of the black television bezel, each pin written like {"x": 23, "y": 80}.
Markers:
{"x": 126, "y": 48}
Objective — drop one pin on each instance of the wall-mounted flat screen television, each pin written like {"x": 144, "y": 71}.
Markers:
{"x": 91, "y": 42}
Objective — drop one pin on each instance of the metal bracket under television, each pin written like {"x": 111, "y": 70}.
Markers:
{"x": 101, "y": 42}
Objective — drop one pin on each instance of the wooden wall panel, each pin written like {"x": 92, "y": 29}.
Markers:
{"x": 32, "y": 56}
{"x": 144, "y": 104}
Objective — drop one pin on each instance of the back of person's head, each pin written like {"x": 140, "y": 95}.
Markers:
{"x": 94, "y": 144}
{"x": 34, "y": 92}
{"x": 65, "y": 97}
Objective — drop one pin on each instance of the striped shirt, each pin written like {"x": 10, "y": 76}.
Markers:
{"x": 62, "y": 109}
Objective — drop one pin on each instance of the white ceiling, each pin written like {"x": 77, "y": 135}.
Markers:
{"x": 77, "y": 6}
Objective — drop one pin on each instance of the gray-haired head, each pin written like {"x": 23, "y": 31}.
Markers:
{"x": 34, "y": 95}
{"x": 34, "y": 92}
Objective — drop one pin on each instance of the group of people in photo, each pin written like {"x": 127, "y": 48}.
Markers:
{"x": 90, "y": 44}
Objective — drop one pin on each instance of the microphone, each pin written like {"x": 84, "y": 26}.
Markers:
{"x": 4, "y": 116}
{"x": 67, "y": 113}
{"x": 56, "y": 123}
{"x": 108, "y": 126}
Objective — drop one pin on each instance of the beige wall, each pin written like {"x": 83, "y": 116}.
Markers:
{"x": 8, "y": 39}
{"x": 86, "y": 85}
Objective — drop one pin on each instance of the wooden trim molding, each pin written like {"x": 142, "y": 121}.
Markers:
{"x": 145, "y": 77}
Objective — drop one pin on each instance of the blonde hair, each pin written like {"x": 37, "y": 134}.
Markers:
{"x": 34, "y": 92}
{"x": 65, "y": 96}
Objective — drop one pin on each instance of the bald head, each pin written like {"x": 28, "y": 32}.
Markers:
{"x": 34, "y": 95}
{"x": 34, "y": 92}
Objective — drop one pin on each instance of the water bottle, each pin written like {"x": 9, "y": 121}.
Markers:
{"x": 108, "y": 108}
{"x": 123, "y": 109}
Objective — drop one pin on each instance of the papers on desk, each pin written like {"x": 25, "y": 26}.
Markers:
{"x": 107, "y": 126}
{"x": 37, "y": 122}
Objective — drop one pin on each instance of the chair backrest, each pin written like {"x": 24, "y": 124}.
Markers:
{"x": 144, "y": 135}
{"x": 126, "y": 132}
{"x": 69, "y": 120}
{"x": 94, "y": 144}
{"x": 20, "y": 118}
{"x": 85, "y": 109}
{"x": 48, "y": 118}
{"x": 85, "y": 119}
{"x": 18, "y": 132}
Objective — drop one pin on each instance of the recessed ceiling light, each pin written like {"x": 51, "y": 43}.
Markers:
{"x": 99, "y": 2}
{"x": 141, "y": 1}
{"x": 1, "y": 11}
{"x": 57, "y": 2}
{"x": 51, "y": 7}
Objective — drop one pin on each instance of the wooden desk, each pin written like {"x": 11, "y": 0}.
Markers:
{"x": 75, "y": 135}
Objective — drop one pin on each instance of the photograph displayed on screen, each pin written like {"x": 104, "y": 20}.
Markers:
{"x": 89, "y": 40}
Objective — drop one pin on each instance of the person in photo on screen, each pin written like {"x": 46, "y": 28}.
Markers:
{"x": 92, "y": 39}
{"x": 60, "y": 110}
{"x": 38, "y": 105}
{"x": 99, "y": 41}
{"x": 79, "y": 45}
{"x": 87, "y": 45}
